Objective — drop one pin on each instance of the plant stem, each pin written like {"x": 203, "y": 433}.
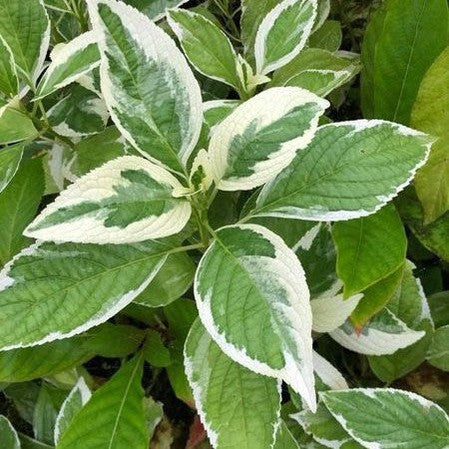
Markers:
{"x": 183, "y": 249}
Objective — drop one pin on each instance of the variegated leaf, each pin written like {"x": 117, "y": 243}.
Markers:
{"x": 252, "y": 417}
{"x": 155, "y": 9}
{"x": 383, "y": 334}
{"x": 317, "y": 70}
{"x": 283, "y": 33}
{"x": 114, "y": 417}
{"x": 316, "y": 251}
{"x": 206, "y": 46}
{"x": 217, "y": 110}
{"x": 78, "y": 57}
{"x": 329, "y": 377}
{"x": 10, "y": 158}
{"x": 15, "y": 125}
{"x": 52, "y": 291}
{"x": 261, "y": 137}
{"x": 25, "y": 27}
{"x": 253, "y": 299}
{"x": 148, "y": 86}
{"x": 9, "y": 83}
{"x": 324, "y": 428}
{"x": 385, "y": 418}
{"x": 409, "y": 304}
{"x": 330, "y": 310}
{"x": 77, "y": 398}
{"x": 350, "y": 170}
{"x": 80, "y": 113}
{"x": 125, "y": 200}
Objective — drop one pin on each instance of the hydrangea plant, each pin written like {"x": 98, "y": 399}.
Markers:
{"x": 154, "y": 160}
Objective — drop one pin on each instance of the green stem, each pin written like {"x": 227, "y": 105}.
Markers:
{"x": 183, "y": 249}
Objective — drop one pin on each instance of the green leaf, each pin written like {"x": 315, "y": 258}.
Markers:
{"x": 154, "y": 351}
{"x": 253, "y": 299}
{"x": 350, "y": 170}
{"x": 216, "y": 111}
{"x": 30, "y": 443}
{"x": 173, "y": 280}
{"x": 52, "y": 291}
{"x": 380, "y": 249}
{"x": 376, "y": 297}
{"x": 253, "y": 12}
{"x": 316, "y": 70}
{"x": 23, "y": 396}
{"x": 125, "y": 200}
{"x": 114, "y": 340}
{"x": 77, "y": 398}
{"x": 285, "y": 439}
{"x": 430, "y": 114}
{"x": 10, "y": 158}
{"x": 261, "y": 136}
{"x": 23, "y": 364}
{"x": 206, "y": 46}
{"x": 25, "y": 27}
{"x": 46, "y": 409}
{"x": 80, "y": 113}
{"x": 283, "y": 33}
{"x": 8, "y": 436}
{"x": 95, "y": 150}
{"x": 9, "y": 84}
{"x": 410, "y": 306}
{"x": 237, "y": 407}
{"x": 328, "y": 36}
{"x": 438, "y": 354}
{"x": 394, "y": 418}
{"x": 432, "y": 236}
{"x": 180, "y": 316}
{"x": 383, "y": 334}
{"x": 439, "y": 308}
{"x": 114, "y": 416}
{"x": 79, "y": 56}
{"x": 15, "y": 126}
{"x": 322, "y": 13}
{"x": 324, "y": 428}
{"x": 155, "y": 9}
{"x": 291, "y": 231}
{"x": 401, "y": 44}
{"x": 19, "y": 202}
{"x": 316, "y": 251}
{"x": 148, "y": 86}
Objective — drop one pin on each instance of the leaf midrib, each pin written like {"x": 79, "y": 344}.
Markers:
{"x": 124, "y": 398}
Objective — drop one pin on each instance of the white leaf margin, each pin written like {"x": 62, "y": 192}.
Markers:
{"x": 179, "y": 31}
{"x": 330, "y": 310}
{"x": 423, "y": 403}
{"x": 301, "y": 379}
{"x": 62, "y": 56}
{"x": 99, "y": 184}
{"x": 317, "y": 213}
{"x": 266, "y": 108}
{"x": 45, "y": 43}
{"x": 155, "y": 43}
{"x": 328, "y": 374}
{"x": 83, "y": 391}
{"x": 197, "y": 391}
{"x": 264, "y": 29}
{"x": 13, "y": 432}
{"x": 99, "y": 318}
{"x": 376, "y": 342}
